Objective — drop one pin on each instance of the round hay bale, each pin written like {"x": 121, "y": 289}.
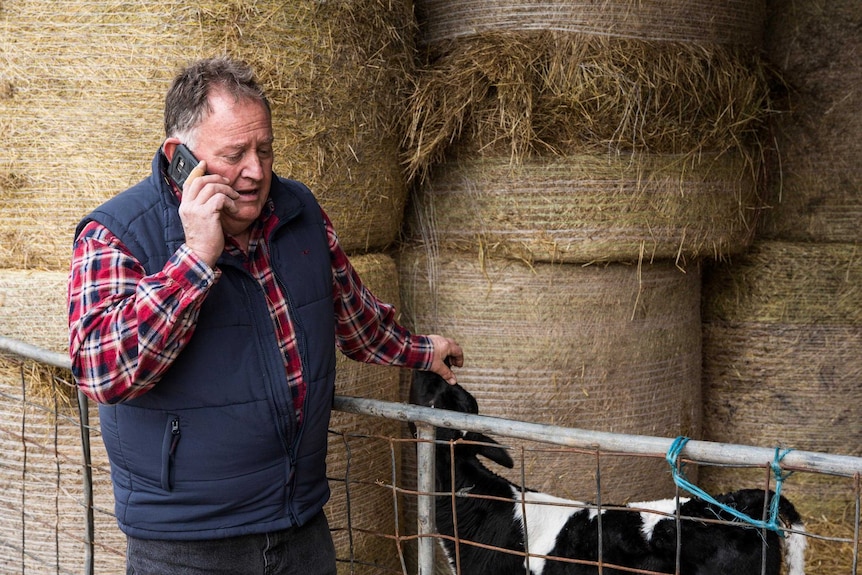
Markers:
{"x": 584, "y": 208}
{"x": 816, "y": 188}
{"x": 33, "y": 308}
{"x": 612, "y": 348}
{"x": 358, "y": 450}
{"x": 555, "y": 93}
{"x": 81, "y": 105}
{"x": 40, "y": 470}
{"x": 727, "y": 21}
{"x": 782, "y": 342}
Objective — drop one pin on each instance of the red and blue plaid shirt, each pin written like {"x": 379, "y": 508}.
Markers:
{"x": 136, "y": 324}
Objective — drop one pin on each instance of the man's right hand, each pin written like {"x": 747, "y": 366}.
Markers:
{"x": 447, "y": 352}
{"x": 205, "y": 197}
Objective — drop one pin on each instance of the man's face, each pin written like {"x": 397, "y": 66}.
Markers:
{"x": 235, "y": 140}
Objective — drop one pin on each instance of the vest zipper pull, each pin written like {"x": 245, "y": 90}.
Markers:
{"x": 175, "y": 432}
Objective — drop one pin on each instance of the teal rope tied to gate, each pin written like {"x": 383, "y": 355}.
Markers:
{"x": 682, "y": 482}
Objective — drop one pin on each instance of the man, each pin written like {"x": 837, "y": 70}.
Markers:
{"x": 204, "y": 320}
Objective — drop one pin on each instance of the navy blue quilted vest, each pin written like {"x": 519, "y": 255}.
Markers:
{"x": 214, "y": 450}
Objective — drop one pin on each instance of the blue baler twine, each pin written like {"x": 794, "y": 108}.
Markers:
{"x": 681, "y": 481}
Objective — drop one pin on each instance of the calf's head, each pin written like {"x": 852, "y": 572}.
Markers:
{"x": 430, "y": 390}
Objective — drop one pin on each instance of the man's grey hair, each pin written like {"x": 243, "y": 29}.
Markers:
{"x": 187, "y": 100}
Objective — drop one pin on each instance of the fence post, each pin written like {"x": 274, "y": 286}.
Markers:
{"x": 425, "y": 485}
{"x": 89, "y": 527}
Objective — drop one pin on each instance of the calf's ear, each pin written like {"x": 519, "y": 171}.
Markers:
{"x": 490, "y": 449}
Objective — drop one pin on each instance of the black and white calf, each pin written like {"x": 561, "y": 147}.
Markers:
{"x": 489, "y": 510}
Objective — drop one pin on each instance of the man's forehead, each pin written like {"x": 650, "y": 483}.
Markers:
{"x": 228, "y": 117}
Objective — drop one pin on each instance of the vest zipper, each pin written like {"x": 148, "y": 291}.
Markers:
{"x": 299, "y": 332}
{"x": 290, "y": 437}
{"x": 169, "y": 449}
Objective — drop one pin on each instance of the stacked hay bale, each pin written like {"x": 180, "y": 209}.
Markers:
{"x": 613, "y": 347}
{"x": 782, "y": 324}
{"x": 83, "y": 89}
{"x": 33, "y": 308}
{"x": 40, "y": 470}
{"x": 40, "y": 447}
{"x": 815, "y": 187}
{"x": 783, "y": 327}
{"x": 573, "y": 164}
{"x": 81, "y": 96}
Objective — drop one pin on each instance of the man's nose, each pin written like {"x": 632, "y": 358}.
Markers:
{"x": 253, "y": 168}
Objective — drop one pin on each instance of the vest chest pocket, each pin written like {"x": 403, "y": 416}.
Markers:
{"x": 169, "y": 448}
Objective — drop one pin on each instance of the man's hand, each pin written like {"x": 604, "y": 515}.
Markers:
{"x": 446, "y": 349}
{"x": 204, "y": 198}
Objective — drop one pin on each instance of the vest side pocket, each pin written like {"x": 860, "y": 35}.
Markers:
{"x": 169, "y": 448}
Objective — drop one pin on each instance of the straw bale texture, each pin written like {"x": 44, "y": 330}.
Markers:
{"x": 613, "y": 348}
{"x": 583, "y": 208}
{"x": 555, "y": 93}
{"x": 816, "y": 183}
{"x": 40, "y": 473}
{"x": 33, "y": 308}
{"x": 788, "y": 283}
{"x": 782, "y": 342}
{"x": 824, "y": 556}
{"x": 82, "y": 88}
{"x": 725, "y": 21}
{"x": 371, "y": 460}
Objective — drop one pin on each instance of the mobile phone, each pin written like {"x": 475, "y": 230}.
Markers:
{"x": 182, "y": 164}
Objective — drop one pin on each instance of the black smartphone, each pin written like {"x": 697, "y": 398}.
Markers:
{"x": 182, "y": 164}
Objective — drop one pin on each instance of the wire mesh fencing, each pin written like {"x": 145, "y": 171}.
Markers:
{"x": 57, "y": 503}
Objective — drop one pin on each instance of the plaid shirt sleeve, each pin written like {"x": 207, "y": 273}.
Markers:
{"x": 126, "y": 327}
{"x": 366, "y": 328}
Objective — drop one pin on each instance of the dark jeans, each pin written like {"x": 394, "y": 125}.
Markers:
{"x": 306, "y": 550}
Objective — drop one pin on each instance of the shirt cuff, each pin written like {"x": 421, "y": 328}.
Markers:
{"x": 190, "y": 272}
{"x": 420, "y": 353}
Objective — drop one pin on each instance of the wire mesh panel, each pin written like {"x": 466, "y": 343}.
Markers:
{"x": 40, "y": 463}
{"x": 364, "y": 512}
{"x": 830, "y": 541}
{"x": 44, "y": 518}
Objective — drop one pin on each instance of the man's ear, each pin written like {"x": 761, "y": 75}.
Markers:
{"x": 169, "y": 146}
